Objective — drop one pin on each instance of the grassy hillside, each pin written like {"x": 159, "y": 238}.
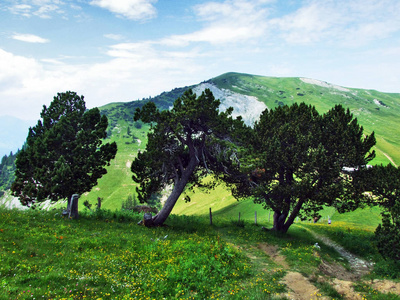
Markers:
{"x": 105, "y": 255}
{"x": 375, "y": 111}
{"x": 225, "y": 207}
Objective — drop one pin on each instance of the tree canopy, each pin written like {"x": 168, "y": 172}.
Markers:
{"x": 297, "y": 161}
{"x": 186, "y": 142}
{"x": 63, "y": 154}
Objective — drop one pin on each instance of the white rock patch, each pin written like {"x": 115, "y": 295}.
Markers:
{"x": 248, "y": 107}
{"x": 324, "y": 84}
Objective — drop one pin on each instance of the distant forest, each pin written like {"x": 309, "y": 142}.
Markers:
{"x": 7, "y": 170}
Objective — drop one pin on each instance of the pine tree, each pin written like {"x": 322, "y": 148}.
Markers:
{"x": 64, "y": 153}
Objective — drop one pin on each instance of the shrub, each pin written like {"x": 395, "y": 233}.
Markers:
{"x": 388, "y": 237}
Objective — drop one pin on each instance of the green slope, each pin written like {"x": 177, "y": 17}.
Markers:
{"x": 380, "y": 115}
{"x": 375, "y": 111}
{"x": 225, "y": 207}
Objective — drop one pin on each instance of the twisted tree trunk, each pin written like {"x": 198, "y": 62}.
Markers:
{"x": 179, "y": 186}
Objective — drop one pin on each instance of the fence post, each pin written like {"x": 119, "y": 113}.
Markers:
{"x": 255, "y": 217}
{"x": 239, "y": 217}
{"x": 210, "y": 217}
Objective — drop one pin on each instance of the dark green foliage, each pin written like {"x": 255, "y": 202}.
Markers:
{"x": 7, "y": 170}
{"x": 87, "y": 204}
{"x": 130, "y": 203}
{"x": 388, "y": 235}
{"x": 64, "y": 153}
{"x": 126, "y": 110}
{"x": 384, "y": 183}
{"x": 185, "y": 143}
{"x": 297, "y": 158}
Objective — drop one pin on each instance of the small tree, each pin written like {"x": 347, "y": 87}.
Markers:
{"x": 297, "y": 158}
{"x": 185, "y": 143}
{"x": 64, "y": 154}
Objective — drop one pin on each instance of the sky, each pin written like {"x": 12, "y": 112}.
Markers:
{"x": 118, "y": 51}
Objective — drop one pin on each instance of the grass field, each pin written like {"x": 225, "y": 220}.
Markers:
{"x": 105, "y": 255}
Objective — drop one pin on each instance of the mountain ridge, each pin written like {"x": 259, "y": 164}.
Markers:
{"x": 250, "y": 94}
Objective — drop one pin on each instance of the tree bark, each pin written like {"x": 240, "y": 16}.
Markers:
{"x": 282, "y": 220}
{"x": 279, "y": 221}
{"x": 179, "y": 186}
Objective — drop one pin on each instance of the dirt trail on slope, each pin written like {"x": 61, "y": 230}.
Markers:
{"x": 337, "y": 276}
{"x": 343, "y": 279}
{"x": 359, "y": 267}
{"x": 299, "y": 287}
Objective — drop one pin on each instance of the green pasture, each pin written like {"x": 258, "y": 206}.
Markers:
{"x": 105, "y": 255}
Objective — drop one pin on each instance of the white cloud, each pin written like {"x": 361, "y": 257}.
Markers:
{"x": 45, "y": 11}
{"x": 343, "y": 22}
{"x": 29, "y": 38}
{"x": 41, "y": 8}
{"x": 112, "y": 36}
{"x": 131, "y": 9}
{"x": 21, "y": 9}
{"x": 133, "y": 71}
{"x": 231, "y": 21}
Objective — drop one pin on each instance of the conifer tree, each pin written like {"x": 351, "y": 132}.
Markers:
{"x": 185, "y": 143}
{"x": 297, "y": 161}
{"x": 64, "y": 153}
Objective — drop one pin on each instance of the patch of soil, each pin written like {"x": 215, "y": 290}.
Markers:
{"x": 386, "y": 286}
{"x": 345, "y": 288}
{"x": 301, "y": 288}
{"x": 272, "y": 251}
{"x": 341, "y": 279}
{"x": 359, "y": 267}
{"x": 336, "y": 270}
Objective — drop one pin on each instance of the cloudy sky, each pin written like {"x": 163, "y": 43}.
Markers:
{"x": 124, "y": 50}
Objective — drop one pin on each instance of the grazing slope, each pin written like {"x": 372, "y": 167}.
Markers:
{"x": 376, "y": 111}
{"x": 249, "y": 95}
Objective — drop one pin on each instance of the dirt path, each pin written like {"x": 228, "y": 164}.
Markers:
{"x": 359, "y": 267}
{"x": 299, "y": 286}
{"x": 337, "y": 276}
{"x": 343, "y": 279}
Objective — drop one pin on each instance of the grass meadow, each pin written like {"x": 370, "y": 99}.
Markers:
{"x": 106, "y": 255}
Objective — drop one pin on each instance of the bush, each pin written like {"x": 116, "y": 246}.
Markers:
{"x": 388, "y": 237}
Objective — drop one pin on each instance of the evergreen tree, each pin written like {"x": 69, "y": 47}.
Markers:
{"x": 64, "y": 154}
{"x": 184, "y": 144}
{"x": 7, "y": 171}
{"x": 297, "y": 159}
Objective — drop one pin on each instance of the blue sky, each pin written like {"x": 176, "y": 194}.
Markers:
{"x": 111, "y": 51}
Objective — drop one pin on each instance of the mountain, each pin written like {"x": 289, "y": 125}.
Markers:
{"x": 249, "y": 95}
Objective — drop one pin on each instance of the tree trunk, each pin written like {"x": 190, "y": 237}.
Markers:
{"x": 179, "y": 186}
{"x": 281, "y": 220}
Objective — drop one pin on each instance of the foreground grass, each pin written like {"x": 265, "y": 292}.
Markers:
{"x": 105, "y": 255}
